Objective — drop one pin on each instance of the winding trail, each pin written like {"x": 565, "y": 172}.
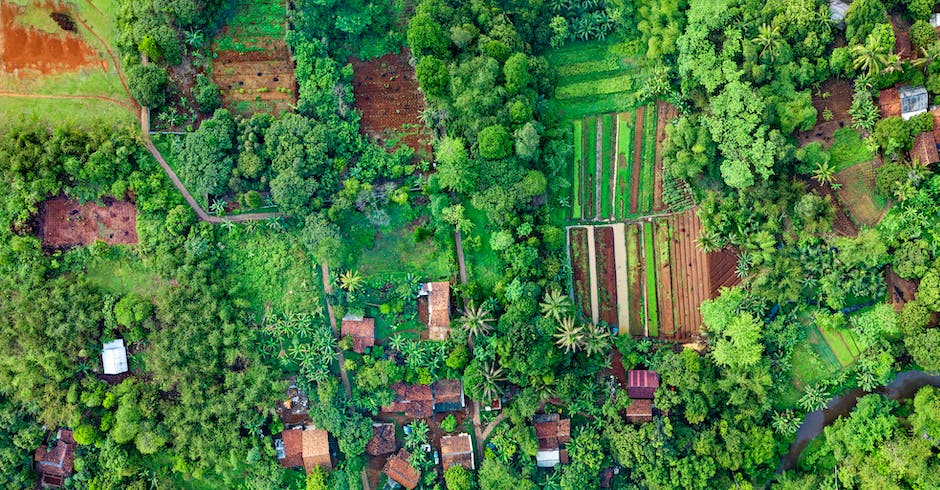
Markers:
{"x": 18, "y": 95}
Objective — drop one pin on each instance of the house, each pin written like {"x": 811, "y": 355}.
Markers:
{"x": 308, "y": 448}
{"x": 837, "y": 11}
{"x": 913, "y": 101}
{"x": 54, "y": 463}
{"x": 552, "y": 434}
{"x": 416, "y": 401}
{"x": 361, "y": 330}
{"x": 925, "y": 149}
{"x": 383, "y": 439}
{"x": 457, "y": 450}
{"x": 640, "y": 410}
{"x": 641, "y": 384}
{"x": 400, "y": 470}
{"x": 448, "y": 395}
{"x": 295, "y": 409}
{"x": 114, "y": 357}
{"x": 935, "y": 20}
{"x": 438, "y": 298}
{"x": 889, "y": 102}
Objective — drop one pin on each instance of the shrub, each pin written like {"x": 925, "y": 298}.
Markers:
{"x": 207, "y": 95}
{"x": 449, "y": 424}
{"x": 148, "y": 85}
{"x": 923, "y": 35}
{"x": 495, "y": 142}
{"x": 132, "y": 309}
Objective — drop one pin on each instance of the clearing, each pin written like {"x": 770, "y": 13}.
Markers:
{"x": 858, "y": 193}
{"x": 387, "y": 95}
{"x": 66, "y": 223}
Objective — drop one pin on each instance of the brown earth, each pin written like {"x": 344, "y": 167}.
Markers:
{"x": 900, "y": 290}
{"x": 637, "y": 158}
{"x": 666, "y": 113}
{"x": 606, "y": 274}
{"x": 66, "y": 223}
{"x": 24, "y": 50}
{"x": 386, "y": 92}
{"x": 261, "y": 80}
{"x": 580, "y": 275}
{"x": 589, "y": 197}
{"x": 839, "y": 102}
{"x": 664, "y": 279}
{"x": 722, "y": 271}
{"x": 690, "y": 274}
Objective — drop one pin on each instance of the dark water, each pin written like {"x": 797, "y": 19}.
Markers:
{"x": 904, "y": 386}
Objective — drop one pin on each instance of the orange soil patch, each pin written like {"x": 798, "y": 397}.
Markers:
{"x": 23, "y": 49}
{"x": 690, "y": 274}
{"x": 256, "y": 81}
{"x": 66, "y": 223}
{"x": 606, "y": 274}
{"x": 386, "y": 92}
{"x": 722, "y": 271}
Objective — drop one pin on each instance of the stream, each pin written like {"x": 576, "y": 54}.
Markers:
{"x": 902, "y": 387}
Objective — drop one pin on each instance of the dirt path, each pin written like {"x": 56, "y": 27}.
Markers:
{"x": 637, "y": 158}
{"x": 592, "y": 273}
{"x": 328, "y": 289}
{"x": 461, "y": 264}
{"x": 492, "y": 425}
{"x": 620, "y": 259}
{"x": 598, "y": 169}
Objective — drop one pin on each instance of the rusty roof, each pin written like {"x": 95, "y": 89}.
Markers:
{"x": 457, "y": 450}
{"x": 316, "y": 450}
{"x": 397, "y": 468}
{"x": 362, "y": 331}
{"x": 889, "y": 102}
{"x": 448, "y": 395}
{"x": 383, "y": 439}
{"x": 438, "y": 310}
{"x": 293, "y": 448}
{"x": 642, "y": 383}
{"x": 55, "y": 463}
{"x": 925, "y": 149}
{"x": 640, "y": 410}
{"x": 552, "y": 434}
{"x": 414, "y": 400}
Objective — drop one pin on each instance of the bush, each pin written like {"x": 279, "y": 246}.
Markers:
{"x": 132, "y": 310}
{"x": 433, "y": 76}
{"x": 148, "y": 85}
{"x": 250, "y": 200}
{"x": 207, "y": 95}
{"x": 449, "y": 424}
{"x": 923, "y": 35}
{"x": 495, "y": 142}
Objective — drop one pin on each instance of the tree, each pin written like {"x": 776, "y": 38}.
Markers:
{"x": 433, "y": 76}
{"x": 517, "y": 74}
{"x": 207, "y": 94}
{"x": 769, "y": 40}
{"x": 861, "y": 18}
{"x": 555, "y": 304}
{"x": 569, "y": 335}
{"x": 321, "y": 239}
{"x": 738, "y": 344}
{"x": 458, "y": 478}
{"x": 147, "y": 84}
{"x": 426, "y": 37}
{"x": 476, "y": 321}
{"x": 494, "y": 142}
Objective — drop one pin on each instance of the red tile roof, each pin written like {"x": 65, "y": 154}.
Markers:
{"x": 640, "y": 411}
{"x": 397, "y": 468}
{"x": 925, "y": 149}
{"x": 316, "y": 450}
{"x": 416, "y": 401}
{"x": 448, "y": 395}
{"x": 383, "y": 439}
{"x": 642, "y": 384}
{"x": 457, "y": 450}
{"x": 56, "y": 463}
{"x": 439, "y": 310}
{"x": 552, "y": 434}
{"x": 293, "y": 448}
{"x": 362, "y": 331}
{"x": 889, "y": 102}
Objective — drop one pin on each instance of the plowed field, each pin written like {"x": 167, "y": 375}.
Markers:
{"x": 25, "y": 50}
{"x": 66, "y": 223}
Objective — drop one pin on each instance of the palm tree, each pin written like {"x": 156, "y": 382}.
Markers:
{"x": 569, "y": 335}
{"x": 217, "y": 207}
{"x": 709, "y": 241}
{"x": 350, "y": 281}
{"x": 815, "y": 398}
{"x": 416, "y": 435}
{"x": 398, "y": 342}
{"x": 825, "y": 173}
{"x": 785, "y": 422}
{"x": 476, "y": 320}
{"x": 872, "y": 56}
{"x": 489, "y": 383}
{"x": 554, "y": 304}
{"x": 597, "y": 340}
{"x": 768, "y": 38}
{"x": 228, "y": 224}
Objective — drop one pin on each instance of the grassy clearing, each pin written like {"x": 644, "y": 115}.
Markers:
{"x": 590, "y": 166}
{"x": 484, "y": 266}
{"x": 576, "y": 173}
{"x": 394, "y": 250}
{"x": 848, "y": 149}
{"x": 254, "y": 21}
{"x": 842, "y": 343}
{"x": 648, "y": 171}
{"x": 122, "y": 272}
{"x": 652, "y": 313}
{"x": 56, "y": 112}
{"x": 607, "y": 165}
{"x": 595, "y": 77}
{"x": 624, "y": 188}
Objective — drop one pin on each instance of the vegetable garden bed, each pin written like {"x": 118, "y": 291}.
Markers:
{"x": 580, "y": 275}
{"x": 606, "y": 275}
{"x": 652, "y": 314}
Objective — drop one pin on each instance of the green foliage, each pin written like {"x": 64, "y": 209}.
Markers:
{"x": 131, "y": 310}
{"x": 207, "y": 94}
{"x": 434, "y": 76}
{"x": 449, "y": 424}
{"x": 148, "y": 84}
{"x": 425, "y": 36}
{"x": 494, "y": 142}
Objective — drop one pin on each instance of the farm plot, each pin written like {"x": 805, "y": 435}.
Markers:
{"x": 387, "y": 95}
{"x": 842, "y": 342}
{"x": 623, "y": 191}
{"x": 636, "y": 278}
{"x": 580, "y": 269}
{"x": 253, "y": 66}
{"x": 606, "y": 275}
{"x": 690, "y": 274}
{"x": 66, "y": 223}
{"x": 858, "y": 193}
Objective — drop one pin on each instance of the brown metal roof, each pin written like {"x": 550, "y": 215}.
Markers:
{"x": 362, "y": 331}
{"x": 552, "y": 434}
{"x": 316, "y": 450}
{"x": 457, "y": 450}
{"x": 448, "y": 395}
{"x": 383, "y": 439}
{"x": 889, "y": 102}
{"x": 398, "y": 469}
{"x": 925, "y": 149}
{"x": 416, "y": 401}
{"x": 56, "y": 463}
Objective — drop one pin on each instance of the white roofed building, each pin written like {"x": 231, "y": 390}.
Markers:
{"x": 114, "y": 357}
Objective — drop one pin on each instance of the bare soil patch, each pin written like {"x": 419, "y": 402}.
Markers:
{"x": 834, "y": 95}
{"x": 257, "y": 81}
{"x": 66, "y": 223}
{"x": 25, "y": 51}
{"x": 386, "y": 92}
{"x": 606, "y": 275}
{"x": 858, "y": 193}
{"x": 722, "y": 271}
{"x": 691, "y": 274}
{"x": 579, "y": 270}
{"x": 666, "y": 113}
{"x": 900, "y": 290}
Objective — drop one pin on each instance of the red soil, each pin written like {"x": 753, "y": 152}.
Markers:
{"x": 666, "y": 113}
{"x": 721, "y": 271}
{"x": 606, "y": 274}
{"x": 839, "y": 101}
{"x": 65, "y": 223}
{"x": 664, "y": 280}
{"x": 262, "y": 79}
{"x": 581, "y": 277}
{"x": 636, "y": 286}
{"x": 900, "y": 290}
{"x": 637, "y": 158}
{"x": 386, "y": 92}
{"x": 25, "y": 49}
{"x": 690, "y": 274}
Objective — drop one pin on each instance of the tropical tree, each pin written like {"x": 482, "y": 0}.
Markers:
{"x": 872, "y": 56}
{"x": 492, "y": 375}
{"x": 825, "y": 173}
{"x": 815, "y": 398}
{"x": 769, "y": 40}
{"x": 195, "y": 38}
{"x": 476, "y": 320}
{"x": 350, "y": 281}
{"x": 398, "y": 342}
{"x": 217, "y": 207}
{"x": 416, "y": 435}
{"x": 597, "y": 339}
{"x": 555, "y": 304}
{"x": 785, "y": 422}
{"x": 569, "y": 335}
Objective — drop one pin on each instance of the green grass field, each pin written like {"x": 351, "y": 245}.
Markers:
{"x": 652, "y": 312}
{"x": 648, "y": 171}
{"x": 394, "y": 250}
{"x": 624, "y": 188}
{"x": 848, "y": 149}
{"x": 607, "y": 162}
{"x": 484, "y": 266}
{"x": 576, "y": 172}
{"x": 842, "y": 343}
{"x": 252, "y": 24}
{"x": 590, "y": 167}
{"x": 596, "y": 77}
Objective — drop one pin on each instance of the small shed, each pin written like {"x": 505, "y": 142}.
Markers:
{"x": 54, "y": 463}
{"x": 114, "y": 357}
{"x": 400, "y": 470}
{"x": 552, "y": 433}
{"x": 457, "y": 450}
{"x": 640, "y": 410}
{"x": 383, "y": 439}
{"x": 448, "y": 395}
{"x": 913, "y": 101}
{"x": 438, "y": 297}
{"x": 361, "y": 330}
{"x": 837, "y": 11}
{"x": 925, "y": 149}
{"x": 641, "y": 384}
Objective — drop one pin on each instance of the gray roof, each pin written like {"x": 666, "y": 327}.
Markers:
{"x": 114, "y": 357}
{"x": 913, "y": 100}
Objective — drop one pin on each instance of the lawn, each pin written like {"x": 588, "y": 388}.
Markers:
{"x": 652, "y": 313}
{"x": 394, "y": 250}
{"x": 576, "y": 173}
{"x": 848, "y": 149}
{"x": 121, "y": 272}
{"x": 596, "y": 77}
{"x": 484, "y": 266}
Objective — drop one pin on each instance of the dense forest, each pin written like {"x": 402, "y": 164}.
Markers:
{"x": 220, "y": 319}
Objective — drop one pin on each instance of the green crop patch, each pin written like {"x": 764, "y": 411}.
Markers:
{"x": 651, "y": 311}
